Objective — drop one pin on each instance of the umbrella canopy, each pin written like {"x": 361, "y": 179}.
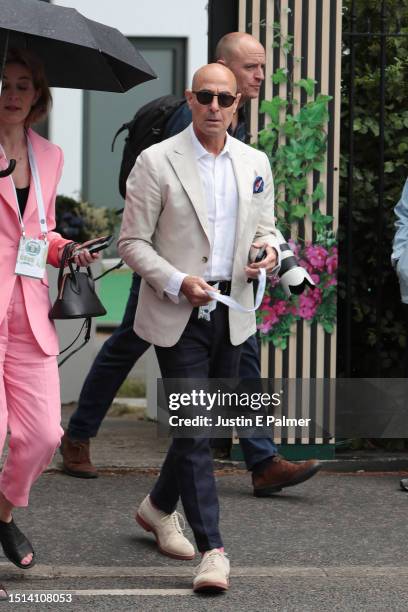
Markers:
{"x": 77, "y": 52}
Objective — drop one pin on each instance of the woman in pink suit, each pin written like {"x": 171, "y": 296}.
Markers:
{"x": 29, "y": 383}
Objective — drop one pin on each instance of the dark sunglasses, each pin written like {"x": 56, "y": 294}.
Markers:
{"x": 206, "y": 97}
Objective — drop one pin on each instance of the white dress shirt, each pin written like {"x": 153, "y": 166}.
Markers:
{"x": 221, "y": 197}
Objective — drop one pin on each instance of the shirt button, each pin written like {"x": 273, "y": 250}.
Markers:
{"x": 204, "y": 259}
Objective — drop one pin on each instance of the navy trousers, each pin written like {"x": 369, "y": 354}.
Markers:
{"x": 115, "y": 360}
{"x": 203, "y": 351}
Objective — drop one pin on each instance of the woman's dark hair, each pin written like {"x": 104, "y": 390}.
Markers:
{"x": 30, "y": 61}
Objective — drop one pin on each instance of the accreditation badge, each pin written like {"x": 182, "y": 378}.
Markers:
{"x": 31, "y": 257}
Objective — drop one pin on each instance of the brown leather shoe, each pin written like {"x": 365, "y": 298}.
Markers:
{"x": 75, "y": 458}
{"x": 281, "y": 473}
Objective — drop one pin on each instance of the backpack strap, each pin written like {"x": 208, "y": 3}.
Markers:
{"x": 124, "y": 127}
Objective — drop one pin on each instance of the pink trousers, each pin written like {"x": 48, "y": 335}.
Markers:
{"x": 29, "y": 403}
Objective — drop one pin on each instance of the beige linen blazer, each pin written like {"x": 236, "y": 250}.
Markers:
{"x": 165, "y": 228}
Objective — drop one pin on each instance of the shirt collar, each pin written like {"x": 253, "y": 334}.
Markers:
{"x": 200, "y": 151}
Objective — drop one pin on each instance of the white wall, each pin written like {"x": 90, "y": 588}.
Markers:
{"x": 178, "y": 18}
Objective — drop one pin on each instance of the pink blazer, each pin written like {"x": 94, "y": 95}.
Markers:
{"x": 49, "y": 160}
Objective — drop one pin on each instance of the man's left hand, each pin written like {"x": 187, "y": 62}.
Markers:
{"x": 269, "y": 262}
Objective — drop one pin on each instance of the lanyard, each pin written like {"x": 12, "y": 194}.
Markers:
{"x": 38, "y": 191}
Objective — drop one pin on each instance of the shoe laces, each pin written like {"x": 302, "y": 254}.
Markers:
{"x": 176, "y": 520}
{"x": 210, "y": 559}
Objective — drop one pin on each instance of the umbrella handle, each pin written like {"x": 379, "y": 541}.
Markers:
{"x": 8, "y": 170}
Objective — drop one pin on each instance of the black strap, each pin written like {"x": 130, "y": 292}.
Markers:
{"x": 124, "y": 127}
{"x": 115, "y": 267}
{"x": 88, "y": 323}
{"x": 9, "y": 170}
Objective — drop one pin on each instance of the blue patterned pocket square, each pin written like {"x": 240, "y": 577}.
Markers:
{"x": 258, "y": 185}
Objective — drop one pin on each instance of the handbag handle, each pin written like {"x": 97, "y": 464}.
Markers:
{"x": 66, "y": 260}
{"x": 66, "y": 254}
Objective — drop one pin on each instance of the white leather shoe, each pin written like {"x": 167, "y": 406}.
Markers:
{"x": 167, "y": 529}
{"x": 212, "y": 575}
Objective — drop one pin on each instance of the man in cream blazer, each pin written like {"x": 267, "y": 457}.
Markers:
{"x": 195, "y": 205}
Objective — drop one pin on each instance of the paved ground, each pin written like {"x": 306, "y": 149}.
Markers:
{"x": 337, "y": 542}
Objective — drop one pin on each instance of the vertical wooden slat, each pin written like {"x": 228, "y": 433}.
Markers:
{"x": 255, "y": 102}
{"x": 291, "y": 411}
{"x": 278, "y": 412}
{"x": 311, "y": 53}
{"x": 269, "y": 68}
{"x": 264, "y": 361}
{"x": 312, "y": 42}
{"x": 294, "y": 401}
{"x": 242, "y": 16}
{"x": 297, "y": 45}
{"x": 305, "y": 376}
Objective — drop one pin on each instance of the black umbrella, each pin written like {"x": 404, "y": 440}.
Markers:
{"x": 77, "y": 52}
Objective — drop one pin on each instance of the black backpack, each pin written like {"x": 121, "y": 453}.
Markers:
{"x": 145, "y": 129}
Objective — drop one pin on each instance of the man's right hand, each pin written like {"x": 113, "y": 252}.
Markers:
{"x": 195, "y": 289}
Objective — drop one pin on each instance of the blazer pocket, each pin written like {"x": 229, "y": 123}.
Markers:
{"x": 45, "y": 282}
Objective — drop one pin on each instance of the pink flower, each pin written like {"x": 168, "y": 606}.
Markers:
{"x": 331, "y": 282}
{"x": 305, "y": 264}
{"x": 309, "y": 302}
{"x": 316, "y": 256}
{"x": 315, "y": 278}
{"x": 307, "y": 312}
{"x": 280, "y": 307}
{"x": 316, "y": 294}
{"x": 265, "y": 326}
{"x": 271, "y": 317}
{"x": 294, "y": 246}
{"x": 306, "y": 300}
{"x": 332, "y": 262}
{"x": 307, "y": 306}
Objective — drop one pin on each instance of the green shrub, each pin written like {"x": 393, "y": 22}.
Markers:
{"x": 80, "y": 221}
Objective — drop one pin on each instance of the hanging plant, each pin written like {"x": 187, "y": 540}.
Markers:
{"x": 295, "y": 141}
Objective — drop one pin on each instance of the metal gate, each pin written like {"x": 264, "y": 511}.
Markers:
{"x": 371, "y": 320}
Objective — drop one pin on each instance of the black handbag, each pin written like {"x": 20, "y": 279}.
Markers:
{"x": 76, "y": 298}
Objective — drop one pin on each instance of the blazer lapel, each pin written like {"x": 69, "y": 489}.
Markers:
{"x": 7, "y": 190}
{"x": 182, "y": 159}
{"x": 244, "y": 175}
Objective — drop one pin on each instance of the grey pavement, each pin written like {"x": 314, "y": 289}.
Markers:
{"x": 336, "y": 542}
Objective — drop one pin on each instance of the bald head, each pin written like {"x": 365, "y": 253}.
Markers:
{"x": 213, "y": 100}
{"x": 209, "y": 72}
{"x": 245, "y": 56}
{"x": 231, "y": 44}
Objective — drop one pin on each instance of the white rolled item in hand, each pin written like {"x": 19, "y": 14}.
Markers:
{"x": 231, "y": 303}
